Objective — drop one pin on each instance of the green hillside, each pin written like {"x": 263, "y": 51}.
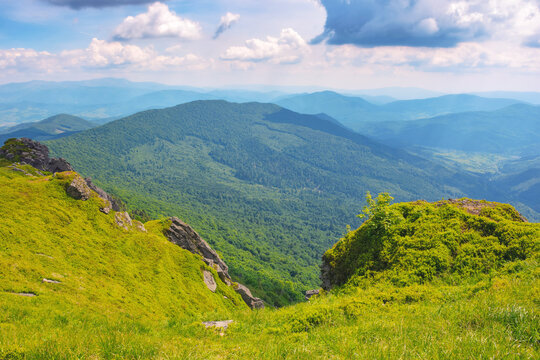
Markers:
{"x": 127, "y": 294}
{"x": 268, "y": 188}
{"x": 415, "y": 243}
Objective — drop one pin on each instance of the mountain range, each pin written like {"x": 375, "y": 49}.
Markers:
{"x": 263, "y": 184}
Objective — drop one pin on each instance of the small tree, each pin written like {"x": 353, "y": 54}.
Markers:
{"x": 377, "y": 211}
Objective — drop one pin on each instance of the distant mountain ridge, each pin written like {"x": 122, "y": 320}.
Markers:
{"x": 354, "y": 111}
{"x": 51, "y": 128}
{"x": 512, "y": 129}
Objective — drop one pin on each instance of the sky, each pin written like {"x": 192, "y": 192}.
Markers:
{"x": 442, "y": 45}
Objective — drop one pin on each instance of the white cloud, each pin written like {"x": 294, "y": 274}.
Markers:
{"x": 466, "y": 56}
{"x": 100, "y": 54}
{"x": 288, "y": 48}
{"x": 227, "y": 20}
{"x": 158, "y": 21}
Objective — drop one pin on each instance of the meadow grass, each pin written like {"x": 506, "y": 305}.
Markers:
{"x": 134, "y": 295}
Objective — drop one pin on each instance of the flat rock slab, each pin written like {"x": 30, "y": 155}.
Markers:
{"x": 24, "y": 294}
{"x": 223, "y": 324}
{"x": 209, "y": 281}
{"x": 50, "y": 281}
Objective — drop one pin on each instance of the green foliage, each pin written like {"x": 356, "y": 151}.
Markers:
{"x": 410, "y": 243}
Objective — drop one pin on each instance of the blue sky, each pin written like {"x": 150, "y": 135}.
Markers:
{"x": 444, "y": 45}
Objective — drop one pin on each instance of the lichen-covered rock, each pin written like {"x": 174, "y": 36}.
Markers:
{"x": 123, "y": 220}
{"x": 209, "y": 280}
{"x": 27, "y": 151}
{"x": 183, "y": 235}
{"x": 78, "y": 189}
{"x": 139, "y": 226}
{"x": 245, "y": 293}
{"x": 114, "y": 205}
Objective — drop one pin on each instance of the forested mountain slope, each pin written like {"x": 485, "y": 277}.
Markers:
{"x": 47, "y": 129}
{"x": 269, "y": 188}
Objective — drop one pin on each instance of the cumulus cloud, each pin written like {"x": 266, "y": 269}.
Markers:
{"x": 227, "y": 20}
{"x": 289, "y": 48}
{"x": 426, "y": 23}
{"x": 79, "y": 4}
{"x": 100, "y": 54}
{"x": 27, "y": 60}
{"x": 158, "y": 21}
{"x": 464, "y": 57}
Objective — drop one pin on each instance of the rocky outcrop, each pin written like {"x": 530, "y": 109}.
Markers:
{"x": 183, "y": 235}
{"x": 78, "y": 189}
{"x": 326, "y": 275}
{"x": 123, "y": 220}
{"x": 27, "y": 151}
{"x": 245, "y": 293}
{"x": 475, "y": 207}
{"x": 223, "y": 324}
{"x": 114, "y": 205}
{"x": 311, "y": 293}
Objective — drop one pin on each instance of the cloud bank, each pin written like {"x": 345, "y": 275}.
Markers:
{"x": 287, "y": 49}
{"x": 100, "y": 54}
{"x": 158, "y": 21}
{"x": 79, "y": 4}
{"x": 227, "y": 20}
{"x": 415, "y": 23}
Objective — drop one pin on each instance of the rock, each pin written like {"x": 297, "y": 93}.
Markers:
{"x": 310, "y": 293}
{"x": 78, "y": 189}
{"x": 245, "y": 293}
{"x": 114, "y": 205}
{"x": 139, "y": 226}
{"x": 223, "y": 324}
{"x": 27, "y": 151}
{"x": 123, "y": 220}
{"x": 224, "y": 277}
{"x": 209, "y": 280}
{"x": 106, "y": 210}
{"x": 24, "y": 294}
{"x": 183, "y": 235}
{"x": 50, "y": 281}
{"x": 326, "y": 275}
{"x": 475, "y": 207}
{"x": 58, "y": 165}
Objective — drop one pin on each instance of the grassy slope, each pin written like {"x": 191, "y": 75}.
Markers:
{"x": 490, "y": 315}
{"x": 110, "y": 278}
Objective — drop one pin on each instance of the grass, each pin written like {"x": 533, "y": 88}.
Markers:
{"x": 133, "y": 295}
{"x": 493, "y": 319}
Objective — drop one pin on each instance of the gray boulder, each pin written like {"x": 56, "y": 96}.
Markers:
{"x": 102, "y": 194}
{"x": 245, "y": 293}
{"x": 27, "y": 151}
{"x": 78, "y": 189}
{"x": 310, "y": 293}
{"x": 183, "y": 235}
